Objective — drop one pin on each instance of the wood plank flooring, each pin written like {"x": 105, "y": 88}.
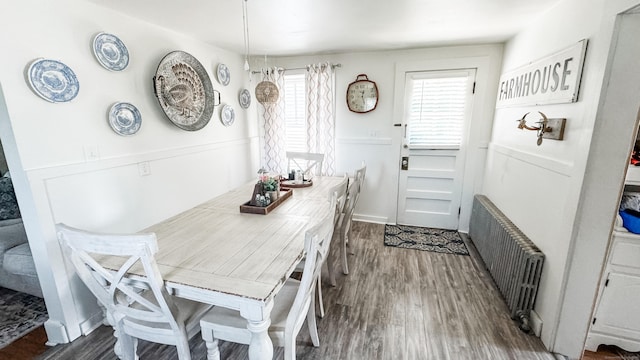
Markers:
{"x": 395, "y": 304}
{"x": 27, "y": 347}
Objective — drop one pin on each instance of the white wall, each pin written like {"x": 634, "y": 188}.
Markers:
{"x": 540, "y": 187}
{"x": 371, "y": 137}
{"x": 614, "y": 132}
{"x": 46, "y": 143}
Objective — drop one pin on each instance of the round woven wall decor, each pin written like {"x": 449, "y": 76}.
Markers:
{"x": 267, "y": 92}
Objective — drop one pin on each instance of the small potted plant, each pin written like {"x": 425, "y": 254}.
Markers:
{"x": 271, "y": 186}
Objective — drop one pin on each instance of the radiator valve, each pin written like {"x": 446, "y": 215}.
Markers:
{"x": 523, "y": 318}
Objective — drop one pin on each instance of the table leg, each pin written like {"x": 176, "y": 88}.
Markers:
{"x": 261, "y": 347}
{"x": 213, "y": 352}
{"x": 126, "y": 346}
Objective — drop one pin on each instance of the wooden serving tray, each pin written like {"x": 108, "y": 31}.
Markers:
{"x": 264, "y": 210}
{"x": 289, "y": 184}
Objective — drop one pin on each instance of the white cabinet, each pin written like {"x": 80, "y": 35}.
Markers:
{"x": 633, "y": 175}
{"x": 617, "y": 316}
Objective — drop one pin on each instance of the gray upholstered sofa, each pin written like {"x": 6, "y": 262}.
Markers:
{"x": 17, "y": 269}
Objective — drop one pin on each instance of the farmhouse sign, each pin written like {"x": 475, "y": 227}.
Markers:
{"x": 554, "y": 79}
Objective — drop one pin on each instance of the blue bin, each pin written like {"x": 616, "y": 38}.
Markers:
{"x": 630, "y": 221}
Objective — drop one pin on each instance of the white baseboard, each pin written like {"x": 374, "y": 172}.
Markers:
{"x": 370, "y": 219}
{"x": 92, "y": 323}
{"x": 57, "y": 332}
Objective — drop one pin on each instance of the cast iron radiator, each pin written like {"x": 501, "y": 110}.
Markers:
{"x": 514, "y": 262}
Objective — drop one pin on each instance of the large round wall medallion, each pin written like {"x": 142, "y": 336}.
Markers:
{"x": 267, "y": 92}
{"x": 183, "y": 89}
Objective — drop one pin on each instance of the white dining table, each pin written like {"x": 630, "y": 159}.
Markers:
{"x": 215, "y": 254}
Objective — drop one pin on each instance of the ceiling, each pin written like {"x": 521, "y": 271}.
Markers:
{"x": 301, "y": 27}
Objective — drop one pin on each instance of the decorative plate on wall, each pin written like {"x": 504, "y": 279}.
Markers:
{"x": 227, "y": 115}
{"x": 223, "y": 74}
{"x": 53, "y": 80}
{"x": 110, "y": 52}
{"x": 267, "y": 92}
{"x": 183, "y": 89}
{"x": 125, "y": 119}
{"x": 244, "y": 98}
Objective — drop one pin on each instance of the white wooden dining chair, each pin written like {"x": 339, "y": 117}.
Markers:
{"x": 293, "y": 304}
{"x": 359, "y": 177}
{"x": 355, "y": 188}
{"x": 305, "y": 162}
{"x": 345, "y": 224}
{"x": 340, "y": 192}
{"x": 138, "y": 307}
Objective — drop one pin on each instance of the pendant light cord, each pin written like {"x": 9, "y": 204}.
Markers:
{"x": 245, "y": 20}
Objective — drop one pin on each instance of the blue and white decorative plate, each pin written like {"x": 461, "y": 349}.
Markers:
{"x": 227, "y": 115}
{"x": 53, "y": 80}
{"x": 223, "y": 74}
{"x": 110, "y": 52}
{"x": 125, "y": 119}
{"x": 245, "y": 98}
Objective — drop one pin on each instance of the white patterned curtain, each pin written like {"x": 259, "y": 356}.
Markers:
{"x": 274, "y": 158}
{"x": 321, "y": 114}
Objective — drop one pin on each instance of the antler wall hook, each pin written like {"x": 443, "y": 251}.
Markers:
{"x": 543, "y": 127}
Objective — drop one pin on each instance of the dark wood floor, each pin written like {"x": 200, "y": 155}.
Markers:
{"x": 27, "y": 347}
{"x": 395, "y": 304}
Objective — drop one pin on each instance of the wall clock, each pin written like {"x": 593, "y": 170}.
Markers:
{"x": 362, "y": 95}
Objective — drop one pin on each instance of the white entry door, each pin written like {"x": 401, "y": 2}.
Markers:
{"x": 437, "y": 112}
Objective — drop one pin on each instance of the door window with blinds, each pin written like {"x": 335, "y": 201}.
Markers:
{"x": 295, "y": 112}
{"x": 436, "y": 106}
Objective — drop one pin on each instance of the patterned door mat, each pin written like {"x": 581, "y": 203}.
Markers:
{"x": 20, "y": 313}
{"x": 427, "y": 239}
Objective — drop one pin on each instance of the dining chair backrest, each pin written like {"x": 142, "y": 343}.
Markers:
{"x": 340, "y": 193}
{"x": 139, "y": 305}
{"x": 359, "y": 178}
{"x": 305, "y": 162}
{"x": 349, "y": 207}
{"x": 342, "y": 232}
{"x": 316, "y": 243}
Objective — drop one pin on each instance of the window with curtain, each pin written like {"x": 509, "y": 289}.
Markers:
{"x": 435, "y": 108}
{"x": 303, "y": 120}
{"x": 295, "y": 112}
